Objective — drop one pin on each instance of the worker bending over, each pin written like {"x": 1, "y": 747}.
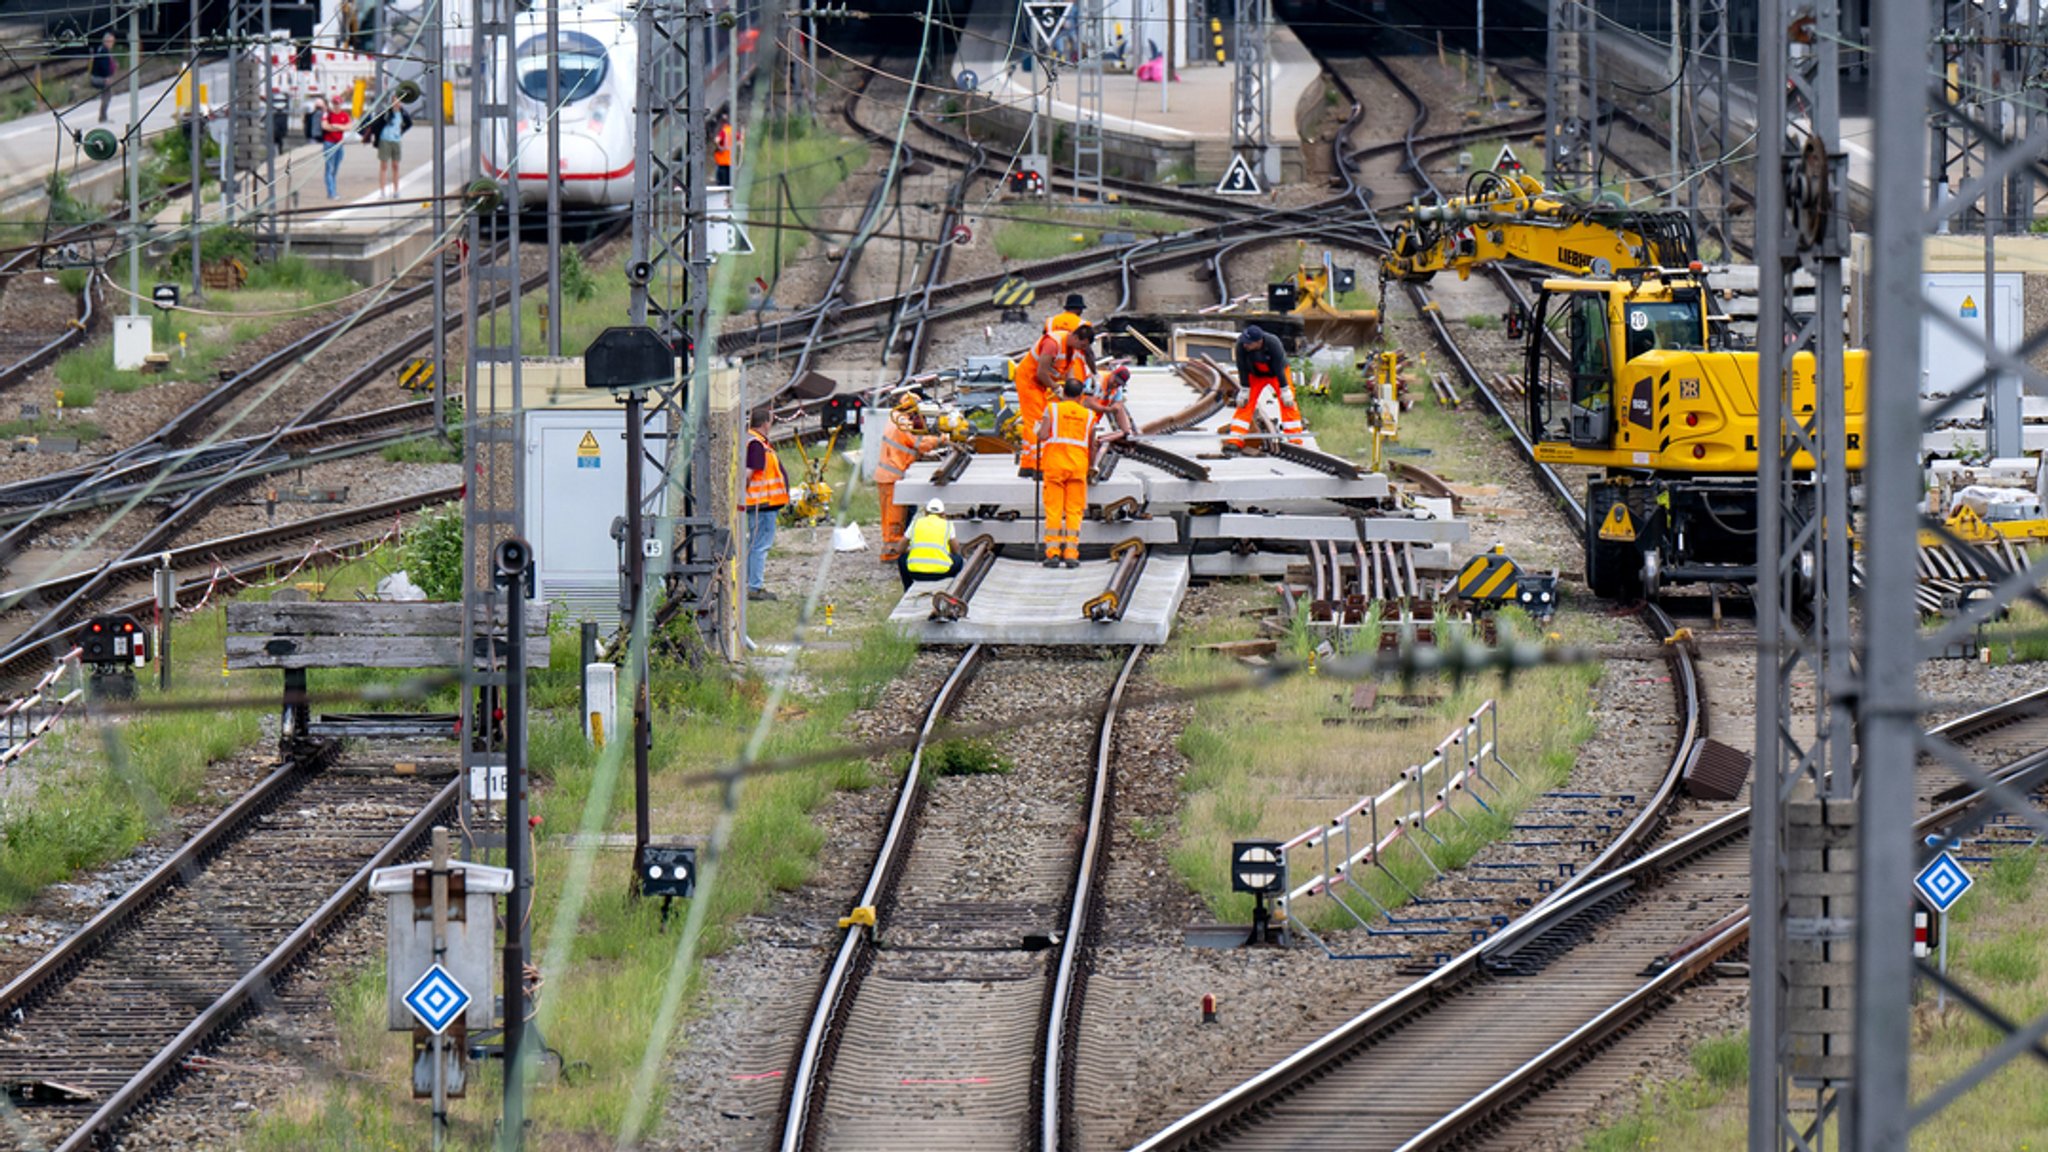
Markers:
{"x": 1067, "y": 436}
{"x": 1108, "y": 400}
{"x": 902, "y": 445}
{"x": 932, "y": 554}
{"x": 1053, "y": 359}
{"x": 1262, "y": 364}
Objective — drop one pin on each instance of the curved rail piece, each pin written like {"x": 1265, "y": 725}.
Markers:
{"x": 951, "y": 604}
{"x": 842, "y": 980}
{"x": 1110, "y": 603}
{"x": 1070, "y": 974}
{"x": 1598, "y": 881}
{"x": 1692, "y": 958}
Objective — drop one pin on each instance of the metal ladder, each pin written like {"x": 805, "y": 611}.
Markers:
{"x": 1088, "y": 124}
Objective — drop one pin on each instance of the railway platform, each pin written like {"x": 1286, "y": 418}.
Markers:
{"x": 33, "y": 146}
{"x": 1144, "y": 136}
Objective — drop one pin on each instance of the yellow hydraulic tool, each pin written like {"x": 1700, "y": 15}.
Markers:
{"x": 1511, "y": 216}
{"x": 811, "y": 501}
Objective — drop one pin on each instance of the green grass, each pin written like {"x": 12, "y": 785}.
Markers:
{"x": 290, "y": 283}
{"x": 1234, "y": 787}
{"x": 83, "y": 429}
{"x": 813, "y": 165}
{"x": 111, "y": 784}
{"x": 1996, "y": 940}
{"x": 598, "y": 1003}
{"x": 1040, "y": 232}
{"x": 429, "y": 451}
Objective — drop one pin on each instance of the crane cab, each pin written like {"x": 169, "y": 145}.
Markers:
{"x": 1625, "y": 376}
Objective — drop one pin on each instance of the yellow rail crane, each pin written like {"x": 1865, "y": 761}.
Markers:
{"x": 1645, "y": 392}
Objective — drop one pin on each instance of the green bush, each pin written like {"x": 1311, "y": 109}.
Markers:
{"x": 432, "y": 555}
{"x": 1723, "y": 1062}
{"x": 214, "y": 244}
{"x": 63, "y": 208}
{"x": 577, "y": 282}
{"x": 964, "y": 758}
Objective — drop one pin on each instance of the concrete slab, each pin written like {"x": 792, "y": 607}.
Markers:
{"x": 1157, "y": 531}
{"x": 993, "y": 480}
{"x": 1290, "y": 526}
{"x": 1024, "y": 603}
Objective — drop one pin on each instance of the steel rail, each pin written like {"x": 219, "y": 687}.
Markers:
{"x": 1069, "y": 981}
{"x": 2027, "y": 773}
{"x": 258, "y": 983}
{"x": 842, "y": 980}
{"x": 25, "y": 647}
{"x": 1596, "y": 881}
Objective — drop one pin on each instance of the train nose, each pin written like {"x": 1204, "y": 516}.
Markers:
{"x": 588, "y": 166}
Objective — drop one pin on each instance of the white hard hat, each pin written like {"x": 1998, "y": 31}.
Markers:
{"x": 935, "y": 506}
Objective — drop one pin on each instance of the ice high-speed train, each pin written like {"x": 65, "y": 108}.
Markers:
{"x": 597, "y": 49}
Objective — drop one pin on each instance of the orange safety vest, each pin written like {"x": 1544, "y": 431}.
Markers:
{"x": 899, "y": 452}
{"x": 1066, "y": 450}
{"x": 723, "y": 155}
{"x": 1027, "y": 368}
{"x": 767, "y": 488}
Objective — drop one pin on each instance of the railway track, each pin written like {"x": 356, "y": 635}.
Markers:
{"x": 77, "y": 592}
{"x": 959, "y": 1032}
{"x": 102, "y": 1023}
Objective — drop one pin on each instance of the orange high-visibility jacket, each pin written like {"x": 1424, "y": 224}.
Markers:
{"x": 767, "y": 488}
{"x": 1065, "y": 452}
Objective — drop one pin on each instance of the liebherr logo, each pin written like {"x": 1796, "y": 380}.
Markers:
{"x": 1575, "y": 258}
{"x": 1854, "y": 443}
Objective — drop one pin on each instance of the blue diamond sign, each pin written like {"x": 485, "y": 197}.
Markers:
{"x": 1942, "y": 882}
{"x": 437, "y": 999}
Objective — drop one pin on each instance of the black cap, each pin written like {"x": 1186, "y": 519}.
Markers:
{"x": 1075, "y": 303}
{"x": 1252, "y": 334}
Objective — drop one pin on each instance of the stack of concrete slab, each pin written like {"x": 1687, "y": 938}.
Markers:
{"x": 1244, "y": 499}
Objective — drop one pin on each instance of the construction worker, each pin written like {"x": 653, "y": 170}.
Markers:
{"x": 902, "y": 445}
{"x": 1262, "y": 364}
{"x": 1066, "y": 435}
{"x": 933, "y": 554}
{"x": 721, "y": 152}
{"x": 1107, "y": 399}
{"x": 1069, "y": 317}
{"x": 767, "y": 495}
{"x": 1050, "y": 361}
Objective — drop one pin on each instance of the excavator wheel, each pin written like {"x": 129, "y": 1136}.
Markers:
{"x": 1614, "y": 568}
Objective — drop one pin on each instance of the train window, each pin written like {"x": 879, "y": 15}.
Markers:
{"x": 1674, "y": 325}
{"x": 583, "y": 67}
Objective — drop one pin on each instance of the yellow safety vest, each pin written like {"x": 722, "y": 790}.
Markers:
{"x": 931, "y": 539}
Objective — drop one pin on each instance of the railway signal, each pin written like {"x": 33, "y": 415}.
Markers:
{"x": 1257, "y": 867}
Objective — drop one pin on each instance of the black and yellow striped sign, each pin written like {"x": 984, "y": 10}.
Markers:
{"x": 1014, "y": 292}
{"x": 1490, "y": 576}
{"x": 417, "y": 376}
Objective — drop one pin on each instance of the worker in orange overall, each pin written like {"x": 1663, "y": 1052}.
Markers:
{"x": 1066, "y": 435}
{"x": 902, "y": 445}
{"x": 721, "y": 152}
{"x": 1068, "y": 317}
{"x": 1054, "y": 358}
{"x": 1262, "y": 364}
{"x": 1106, "y": 398}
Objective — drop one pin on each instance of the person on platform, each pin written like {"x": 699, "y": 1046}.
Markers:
{"x": 1066, "y": 434}
{"x": 933, "y": 553}
{"x": 903, "y": 444}
{"x": 1262, "y": 364}
{"x": 1053, "y": 359}
{"x": 102, "y": 71}
{"x": 386, "y": 130}
{"x": 334, "y": 121}
{"x": 767, "y": 495}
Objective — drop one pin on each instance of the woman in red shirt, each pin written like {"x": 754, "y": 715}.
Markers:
{"x": 333, "y": 131}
